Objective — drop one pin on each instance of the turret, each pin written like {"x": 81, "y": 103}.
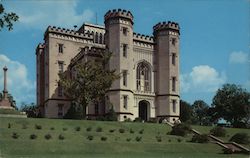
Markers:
{"x": 166, "y": 37}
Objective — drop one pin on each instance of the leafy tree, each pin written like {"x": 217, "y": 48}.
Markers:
{"x": 231, "y": 103}
{"x": 200, "y": 109}
{"x": 75, "y": 112}
{"x": 12, "y": 101}
{"x": 185, "y": 111}
{"x": 7, "y": 19}
{"x": 91, "y": 82}
{"x": 29, "y": 109}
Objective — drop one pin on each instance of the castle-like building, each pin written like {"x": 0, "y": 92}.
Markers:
{"x": 149, "y": 67}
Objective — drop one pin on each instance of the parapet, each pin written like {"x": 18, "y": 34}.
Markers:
{"x": 68, "y": 32}
{"x": 167, "y": 26}
{"x": 143, "y": 38}
{"x": 119, "y": 14}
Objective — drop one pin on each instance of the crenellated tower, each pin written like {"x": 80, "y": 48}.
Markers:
{"x": 167, "y": 70}
{"x": 119, "y": 40}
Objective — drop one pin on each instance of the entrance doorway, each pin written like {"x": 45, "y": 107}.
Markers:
{"x": 144, "y": 110}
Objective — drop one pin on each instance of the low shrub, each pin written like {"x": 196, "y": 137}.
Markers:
{"x": 90, "y": 137}
{"x": 88, "y": 129}
{"x": 47, "y": 136}
{"x": 33, "y": 136}
{"x": 138, "y": 139}
{"x": 169, "y": 140}
{"x": 200, "y": 138}
{"x": 65, "y": 129}
{"x": 180, "y": 130}
{"x": 158, "y": 138}
{"x": 52, "y": 128}
{"x": 241, "y": 138}
{"x": 141, "y": 131}
{"x": 179, "y": 140}
{"x": 128, "y": 120}
{"x": 218, "y": 131}
{"x": 38, "y": 127}
{"x": 137, "y": 119}
{"x": 111, "y": 130}
{"x": 128, "y": 139}
{"x": 77, "y": 128}
{"x": 15, "y": 135}
{"x": 131, "y": 131}
{"x": 104, "y": 138}
{"x": 61, "y": 137}
{"x": 121, "y": 130}
{"x": 99, "y": 129}
{"x": 9, "y": 125}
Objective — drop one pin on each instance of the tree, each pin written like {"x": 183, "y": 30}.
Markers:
{"x": 200, "y": 109}
{"x": 30, "y": 109}
{"x": 231, "y": 103}
{"x": 12, "y": 101}
{"x": 185, "y": 111}
{"x": 7, "y": 19}
{"x": 92, "y": 81}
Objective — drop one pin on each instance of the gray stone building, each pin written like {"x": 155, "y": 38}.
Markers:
{"x": 149, "y": 84}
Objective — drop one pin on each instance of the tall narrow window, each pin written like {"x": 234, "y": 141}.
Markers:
{"x": 96, "y": 108}
{"x": 124, "y": 31}
{"x": 173, "y": 84}
{"x": 60, "y": 110}
{"x": 100, "y": 39}
{"x": 124, "y": 77}
{"x": 60, "y": 89}
{"x": 60, "y": 66}
{"x": 173, "y": 41}
{"x": 174, "y": 105}
{"x": 173, "y": 58}
{"x": 125, "y": 101}
{"x": 60, "y": 48}
{"x": 143, "y": 77}
{"x": 124, "y": 50}
{"x": 96, "y": 37}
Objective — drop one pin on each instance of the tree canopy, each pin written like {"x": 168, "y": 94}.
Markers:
{"x": 7, "y": 19}
{"x": 92, "y": 80}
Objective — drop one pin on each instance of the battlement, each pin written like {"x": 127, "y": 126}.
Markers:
{"x": 166, "y": 26}
{"x": 119, "y": 13}
{"x": 143, "y": 38}
{"x": 68, "y": 32}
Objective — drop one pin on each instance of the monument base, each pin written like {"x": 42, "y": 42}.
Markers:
{"x": 5, "y": 104}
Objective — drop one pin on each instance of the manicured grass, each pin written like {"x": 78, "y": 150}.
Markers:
{"x": 76, "y": 142}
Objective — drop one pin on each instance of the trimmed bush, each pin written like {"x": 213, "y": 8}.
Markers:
{"x": 65, "y": 129}
{"x": 47, "y": 136}
{"x": 128, "y": 120}
{"x": 111, "y": 130}
{"x": 61, "y": 137}
{"x": 169, "y": 140}
{"x": 52, "y": 128}
{"x": 88, "y": 129}
{"x": 141, "y": 131}
{"x": 180, "y": 130}
{"x": 78, "y": 128}
{"x": 33, "y": 136}
{"x": 179, "y": 140}
{"x": 38, "y": 127}
{"x": 131, "y": 131}
{"x": 158, "y": 138}
{"x": 121, "y": 130}
{"x": 128, "y": 139}
{"x": 9, "y": 125}
{"x": 104, "y": 138}
{"x": 15, "y": 135}
{"x": 99, "y": 129}
{"x": 90, "y": 137}
{"x": 138, "y": 139}
{"x": 218, "y": 131}
{"x": 200, "y": 138}
{"x": 241, "y": 138}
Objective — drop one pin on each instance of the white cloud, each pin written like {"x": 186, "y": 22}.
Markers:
{"x": 18, "y": 84}
{"x": 238, "y": 57}
{"x": 43, "y": 13}
{"x": 203, "y": 78}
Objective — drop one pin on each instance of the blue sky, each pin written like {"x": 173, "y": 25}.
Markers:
{"x": 215, "y": 39}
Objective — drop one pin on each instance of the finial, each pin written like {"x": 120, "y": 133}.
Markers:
{"x": 5, "y": 68}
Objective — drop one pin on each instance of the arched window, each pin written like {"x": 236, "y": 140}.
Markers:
{"x": 96, "y": 38}
{"x": 143, "y": 77}
{"x": 100, "y": 39}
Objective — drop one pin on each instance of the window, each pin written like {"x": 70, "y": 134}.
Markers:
{"x": 96, "y": 108}
{"x": 100, "y": 39}
{"x": 60, "y": 66}
{"x": 143, "y": 78}
{"x": 173, "y": 58}
{"x": 60, "y": 48}
{"x": 96, "y": 37}
{"x": 124, "y": 31}
{"x": 124, "y": 50}
{"x": 124, "y": 77}
{"x": 60, "y": 110}
{"x": 60, "y": 90}
{"x": 125, "y": 101}
{"x": 173, "y": 41}
{"x": 173, "y": 84}
{"x": 174, "y": 105}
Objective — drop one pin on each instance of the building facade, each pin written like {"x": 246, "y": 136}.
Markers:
{"x": 149, "y": 67}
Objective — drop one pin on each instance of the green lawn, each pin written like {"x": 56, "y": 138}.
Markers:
{"x": 76, "y": 143}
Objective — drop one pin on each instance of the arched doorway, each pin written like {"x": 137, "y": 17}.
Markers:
{"x": 144, "y": 110}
